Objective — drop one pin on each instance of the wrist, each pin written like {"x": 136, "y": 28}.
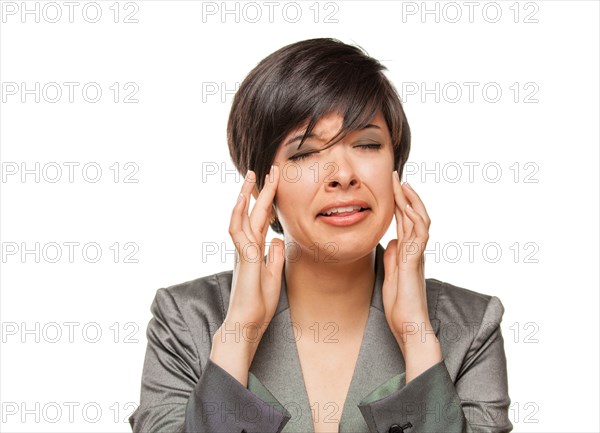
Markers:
{"x": 415, "y": 334}
{"x": 234, "y": 343}
{"x": 413, "y": 349}
{"x": 419, "y": 355}
{"x": 417, "y": 341}
{"x": 235, "y": 357}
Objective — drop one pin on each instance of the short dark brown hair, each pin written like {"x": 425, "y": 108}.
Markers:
{"x": 297, "y": 85}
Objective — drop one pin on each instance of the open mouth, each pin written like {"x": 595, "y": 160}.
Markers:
{"x": 342, "y": 214}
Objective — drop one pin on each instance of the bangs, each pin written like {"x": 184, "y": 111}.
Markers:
{"x": 307, "y": 92}
{"x": 356, "y": 106}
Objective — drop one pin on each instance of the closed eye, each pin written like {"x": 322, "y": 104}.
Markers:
{"x": 307, "y": 154}
{"x": 301, "y": 156}
{"x": 370, "y": 146}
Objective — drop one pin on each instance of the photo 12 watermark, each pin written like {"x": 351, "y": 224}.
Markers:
{"x": 252, "y": 12}
{"x": 67, "y": 252}
{"x": 28, "y": 12}
{"x": 68, "y": 172}
{"x": 452, "y": 12}
{"x": 69, "y": 332}
{"x": 69, "y": 92}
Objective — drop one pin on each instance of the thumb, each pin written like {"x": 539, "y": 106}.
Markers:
{"x": 390, "y": 257}
{"x": 390, "y": 273}
{"x": 276, "y": 258}
{"x": 272, "y": 276}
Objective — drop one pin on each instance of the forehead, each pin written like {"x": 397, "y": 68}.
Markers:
{"x": 330, "y": 124}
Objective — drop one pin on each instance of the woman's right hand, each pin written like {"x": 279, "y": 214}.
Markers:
{"x": 255, "y": 285}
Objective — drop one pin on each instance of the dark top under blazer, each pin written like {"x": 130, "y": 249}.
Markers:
{"x": 182, "y": 390}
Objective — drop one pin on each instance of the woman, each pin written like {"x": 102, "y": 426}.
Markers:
{"x": 328, "y": 331}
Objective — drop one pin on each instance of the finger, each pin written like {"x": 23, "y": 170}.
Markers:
{"x": 420, "y": 227}
{"x": 390, "y": 264}
{"x": 266, "y": 246}
{"x": 416, "y": 202}
{"x": 249, "y": 182}
{"x": 403, "y": 227}
{"x": 237, "y": 233}
{"x": 237, "y": 229}
{"x": 262, "y": 230}
{"x": 270, "y": 219}
{"x": 271, "y": 278}
{"x": 276, "y": 257}
{"x": 399, "y": 197}
{"x": 405, "y": 245}
{"x": 408, "y": 227}
{"x": 403, "y": 224}
{"x": 421, "y": 232}
{"x": 399, "y": 223}
{"x": 265, "y": 228}
{"x": 261, "y": 213}
{"x": 235, "y": 223}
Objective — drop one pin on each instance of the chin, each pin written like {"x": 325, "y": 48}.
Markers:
{"x": 348, "y": 246}
{"x": 346, "y": 243}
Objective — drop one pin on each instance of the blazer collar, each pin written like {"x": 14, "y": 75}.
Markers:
{"x": 277, "y": 364}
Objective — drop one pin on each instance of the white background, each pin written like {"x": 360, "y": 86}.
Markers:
{"x": 183, "y": 63}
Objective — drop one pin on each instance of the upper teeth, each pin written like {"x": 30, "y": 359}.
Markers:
{"x": 342, "y": 209}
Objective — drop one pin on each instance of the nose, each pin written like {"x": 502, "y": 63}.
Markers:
{"x": 340, "y": 171}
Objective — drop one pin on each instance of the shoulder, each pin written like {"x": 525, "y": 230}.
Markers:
{"x": 465, "y": 321}
{"x": 455, "y": 303}
{"x": 451, "y": 302}
{"x": 467, "y": 325}
{"x": 193, "y": 311}
{"x": 207, "y": 295}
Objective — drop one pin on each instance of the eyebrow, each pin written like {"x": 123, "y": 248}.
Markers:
{"x": 299, "y": 136}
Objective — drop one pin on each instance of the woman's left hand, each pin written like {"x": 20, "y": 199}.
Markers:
{"x": 404, "y": 291}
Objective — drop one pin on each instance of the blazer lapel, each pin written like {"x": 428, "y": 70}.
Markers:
{"x": 379, "y": 357}
{"x": 277, "y": 364}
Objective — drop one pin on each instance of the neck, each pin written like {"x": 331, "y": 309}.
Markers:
{"x": 323, "y": 292}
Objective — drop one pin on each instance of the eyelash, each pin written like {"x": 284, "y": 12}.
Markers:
{"x": 305, "y": 155}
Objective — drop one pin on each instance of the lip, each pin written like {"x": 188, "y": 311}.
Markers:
{"x": 345, "y": 220}
{"x": 348, "y": 218}
{"x": 360, "y": 203}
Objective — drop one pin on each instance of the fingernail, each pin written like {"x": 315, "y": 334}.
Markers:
{"x": 407, "y": 184}
{"x": 396, "y": 175}
{"x": 409, "y": 207}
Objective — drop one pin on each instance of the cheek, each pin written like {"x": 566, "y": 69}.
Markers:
{"x": 385, "y": 195}
{"x": 387, "y": 169}
{"x": 291, "y": 194}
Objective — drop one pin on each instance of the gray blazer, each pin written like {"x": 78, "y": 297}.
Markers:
{"x": 184, "y": 391}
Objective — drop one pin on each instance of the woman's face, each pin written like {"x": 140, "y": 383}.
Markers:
{"x": 356, "y": 169}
